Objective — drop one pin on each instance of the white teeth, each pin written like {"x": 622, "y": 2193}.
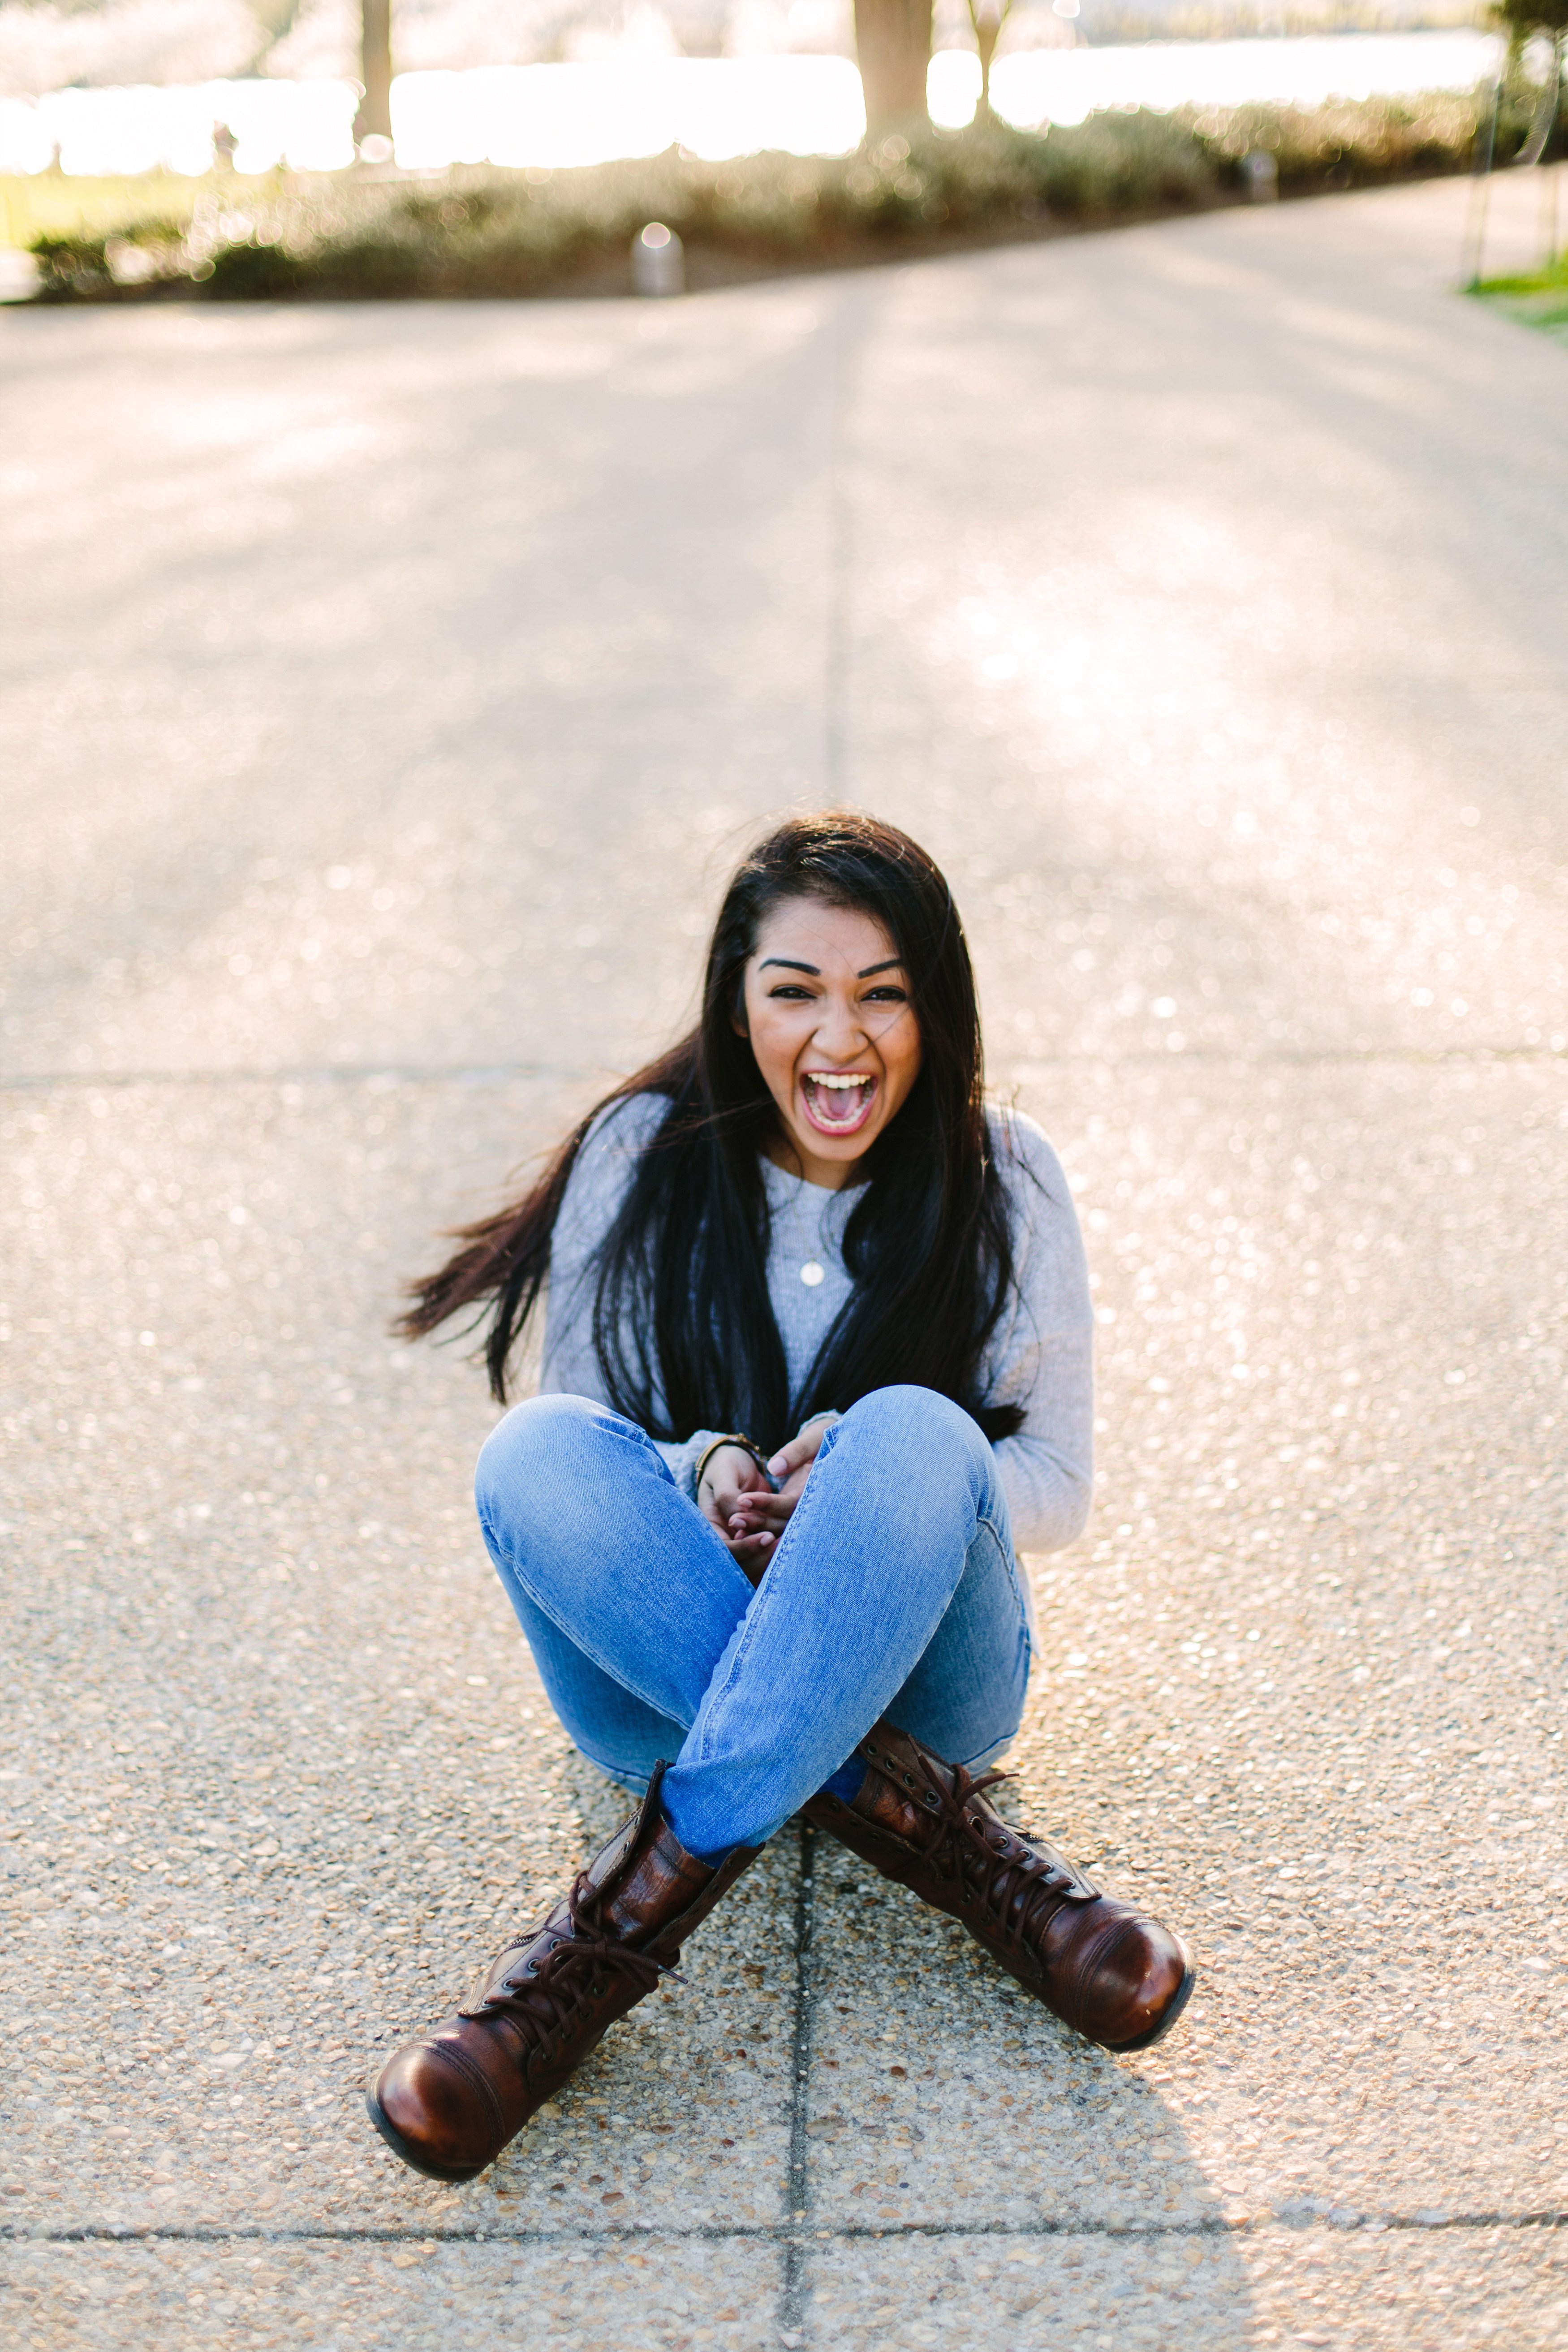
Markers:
{"x": 823, "y": 1078}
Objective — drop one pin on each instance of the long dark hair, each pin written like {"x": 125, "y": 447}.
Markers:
{"x": 682, "y": 1324}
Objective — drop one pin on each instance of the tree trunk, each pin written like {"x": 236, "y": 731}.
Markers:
{"x": 987, "y": 31}
{"x": 375, "y": 117}
{"x": 987, "y": 18}
{"x": 892, "y": 43}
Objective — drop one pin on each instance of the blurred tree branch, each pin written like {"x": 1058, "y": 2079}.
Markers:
{"x": 1523, "y": 20}
{"x": 1520, "y": 18}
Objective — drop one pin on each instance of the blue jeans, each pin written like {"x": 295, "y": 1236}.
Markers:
{"x": 892, "y": 1591}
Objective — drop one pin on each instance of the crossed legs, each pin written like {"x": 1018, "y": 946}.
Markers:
{"x": 893, "y": 1590}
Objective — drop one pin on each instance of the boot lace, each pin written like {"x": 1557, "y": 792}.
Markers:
{"x": 550, "y": 1995}
{"x": 1017, "y": 1882}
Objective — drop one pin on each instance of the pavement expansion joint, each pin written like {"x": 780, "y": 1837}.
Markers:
{"x": 791, "y": 2238}
{"x": 435, "y": 1074}
{"x": 835, "y": 618}
{"x": 793, "y": 2287}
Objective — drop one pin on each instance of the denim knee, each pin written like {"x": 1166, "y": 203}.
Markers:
{"x": 931, "y": 1424}
{"x": 525, "y": 1454}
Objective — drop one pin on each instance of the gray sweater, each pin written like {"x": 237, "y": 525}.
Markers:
{"x": 1040, "y": 1356}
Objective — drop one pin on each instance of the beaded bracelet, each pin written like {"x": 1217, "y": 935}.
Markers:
{"x": 747, "y": 1445}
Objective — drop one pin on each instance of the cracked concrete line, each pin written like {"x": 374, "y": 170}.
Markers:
{"x": 476, "y": 1073}
{"x": 835, "y": 636}
{"x": 796, "y": 2242}
{"x": 794, "y": 2291}
{"x": 320, "y": 1074}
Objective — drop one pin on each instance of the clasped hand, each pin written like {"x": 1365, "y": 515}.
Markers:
{"x": 737, "y": 1501}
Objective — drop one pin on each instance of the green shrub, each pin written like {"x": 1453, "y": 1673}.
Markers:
{"x": 83, "y": 267}
{"x": 1355, "y": 144}
{"x": 489, "y": 232}
{"x": 71, "y": 267}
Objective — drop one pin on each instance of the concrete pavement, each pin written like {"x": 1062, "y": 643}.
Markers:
{"x": 387, "y": 689}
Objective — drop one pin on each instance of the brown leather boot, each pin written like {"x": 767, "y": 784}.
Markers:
{"x": 1101, "y": 1967}
{"x": 450, "y": 2102}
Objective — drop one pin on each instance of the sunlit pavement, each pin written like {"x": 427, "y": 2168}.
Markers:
{"x": 387, "y": 689}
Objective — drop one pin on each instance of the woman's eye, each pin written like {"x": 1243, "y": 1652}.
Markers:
{"x": 888, "y": 995}
{"x": 791, "y": 992}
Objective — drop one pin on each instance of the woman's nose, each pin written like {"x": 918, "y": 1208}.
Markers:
{"x": 840, "y": 1032}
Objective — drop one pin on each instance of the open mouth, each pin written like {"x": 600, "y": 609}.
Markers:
{"x": 837, "y": 1101}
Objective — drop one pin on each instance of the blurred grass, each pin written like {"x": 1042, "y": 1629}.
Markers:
{"x": 1538, "y": 299}
{"x": 48, "y": 203}
{"x": 483, "y": 231}
{"x": 1553, "y": 279}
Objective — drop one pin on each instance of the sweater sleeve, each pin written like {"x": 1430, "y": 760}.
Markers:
{"x": 1042, "y": 1354}
{"x": 569, "y": 1363}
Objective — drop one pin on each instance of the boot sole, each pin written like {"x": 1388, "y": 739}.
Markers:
{"x": 411, "y": 2158}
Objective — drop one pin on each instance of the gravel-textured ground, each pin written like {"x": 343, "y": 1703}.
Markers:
{"x": 386, "y": 692}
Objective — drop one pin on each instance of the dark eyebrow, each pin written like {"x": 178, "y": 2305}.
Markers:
{"x": 894, "y": 964}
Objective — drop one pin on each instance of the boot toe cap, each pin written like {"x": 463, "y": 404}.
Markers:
{"x": 1142, "y": 1985}
{"x": 428, "y": 2108}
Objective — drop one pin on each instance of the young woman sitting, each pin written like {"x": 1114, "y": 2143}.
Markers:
{"x": 816, "y": 1357}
